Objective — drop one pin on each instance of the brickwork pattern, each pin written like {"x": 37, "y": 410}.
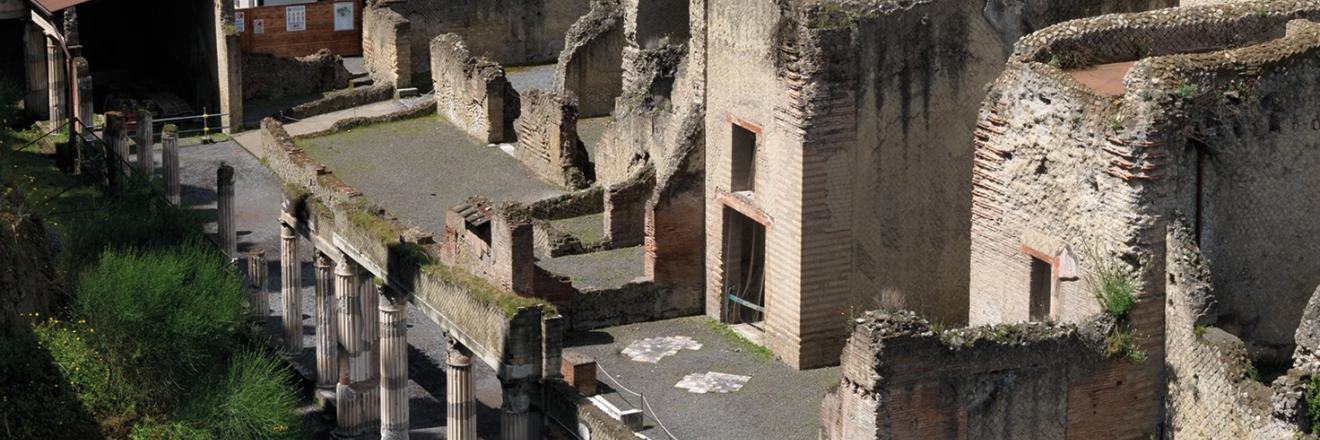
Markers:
{"x": 471, "y": 92}
{"x": 548, "y": 142}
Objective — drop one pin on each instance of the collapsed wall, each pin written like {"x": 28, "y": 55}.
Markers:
{"x": 472, "y": 92}
{"x": 591, "y": 65}
{"x": 512, "y": 32}
{"x": 548, "y": 142}
{"x": 903, "y": 379}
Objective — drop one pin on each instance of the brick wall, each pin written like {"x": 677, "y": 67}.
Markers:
{"x": 387, "y": 46}
{"x": 319, "y": 34}
{"x": 1025, "y": 381}
{"x": 548, "y": 143}
{"x": 272, "y": 77}
{"x": 472, "y": 92}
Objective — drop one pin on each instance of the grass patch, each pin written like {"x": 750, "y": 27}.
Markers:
{"x": 484, "y": 292}
{"x": 757, "y": 351}
{"x": 1114, "y": 284}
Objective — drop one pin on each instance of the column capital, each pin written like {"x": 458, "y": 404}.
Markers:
{"x": 322, "y": 260}
{"x": 459, "y": 354}
{"x": 286, "y": 230}
{"x": 345, "y": 267}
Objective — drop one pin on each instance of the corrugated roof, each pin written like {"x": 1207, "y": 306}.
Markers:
{"x": 53, "y": 6}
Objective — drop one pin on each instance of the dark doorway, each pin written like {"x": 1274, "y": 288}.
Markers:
{"x": 1041, "y": 277}
{"x": 744, "y": 160}
{"x": 744, "y": 269}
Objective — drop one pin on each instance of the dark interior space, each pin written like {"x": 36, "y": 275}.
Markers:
{"x": 158, "y": 50}
{"x": 11, "y": 53}
{"x": 1041, "y": 278}
{"x": 744, "y": 275}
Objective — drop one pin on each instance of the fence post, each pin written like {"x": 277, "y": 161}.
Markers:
{"x": 145, "y": 140}
{"x": 169, "y": 157}
{"x": 224, "y": 189}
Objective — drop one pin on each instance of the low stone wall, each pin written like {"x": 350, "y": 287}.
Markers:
{"x": 272, "y": 77}
{"x": 591, "y": 65}
{"x": 548, "y": 142}
{"x": 574, "y": 204}
{"x": 902, "y": 379}
{"x": 472, "y": 93}
{"x": 416, "y": 110}
{"x": 501, "y": 329}
{"x": 634, "y": 302}
{"x": 386, "y": 46}
{"x": 343, "y": 99}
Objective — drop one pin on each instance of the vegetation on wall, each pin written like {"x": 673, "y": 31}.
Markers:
{"x": 1114, "y": 284}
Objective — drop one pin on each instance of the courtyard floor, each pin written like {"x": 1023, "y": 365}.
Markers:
{"x": 776, "y": 402}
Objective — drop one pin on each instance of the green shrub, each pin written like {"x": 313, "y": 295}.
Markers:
{"x": 1313, "y": 401}
{"x": 255, "y": 400}
{"x": 1113, "y": 283}
{"x": 162, "y": 316}
{"x": 133, "y": 216}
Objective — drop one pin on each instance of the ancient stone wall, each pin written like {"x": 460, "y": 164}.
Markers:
{"x": 591, "y": 66}
{"x": 901, "y": 380}
{"x": 502, "y": 253}
{"x": 873, "y": 100}
{"x": 625, "y": 208}
{"x": 1211, "y": 392}
{"x": 472, "y": 92}
{"x": 548, "y": 143}
{"x": 272, "y": 77}
{"x": 387, "y": 47}
{"x": 532, "y": 35}
{"x": 631, "y": 303}
{"x": 343, "y": 99}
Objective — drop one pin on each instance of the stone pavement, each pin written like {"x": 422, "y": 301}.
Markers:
{"x": 257, "y": 196}
{"x": 776, "y": 402}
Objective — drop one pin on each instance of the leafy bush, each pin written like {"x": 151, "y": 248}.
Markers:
{"x": 1113, "y": 283}
{"x": 255, "y": 400}
{"x": 85, "y": 370}
{"x": 133, "y": 216}
{"x": 162, "y": 316}
{"x": 1313, "y": 401}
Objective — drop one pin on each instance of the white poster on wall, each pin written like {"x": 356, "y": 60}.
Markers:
{"x": 295, "y": 18}
{"x": 258, "y": 26}
{"x": 343, "y": 16}
{"x": 240, "y": 22}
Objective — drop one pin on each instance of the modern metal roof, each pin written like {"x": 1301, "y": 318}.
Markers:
{"x": 53, "y": 6}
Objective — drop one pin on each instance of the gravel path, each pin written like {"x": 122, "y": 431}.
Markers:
{"x": 257, "y": 194}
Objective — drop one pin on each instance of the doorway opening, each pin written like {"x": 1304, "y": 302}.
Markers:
{"x": 744, "y": 274}
{"x": 1041, "y": 278}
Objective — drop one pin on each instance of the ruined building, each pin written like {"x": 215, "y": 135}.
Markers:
{"x": 838, "y": 171}
{"x": 1166, "y": 147}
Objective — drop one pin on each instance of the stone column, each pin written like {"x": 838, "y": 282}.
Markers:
{"x": 393, "y": 354}
{"x": 257, "y": 276}
{"x": 460, "y": 402}
{"x": 291, "y": 290}
{"x": 516, "y": 418}
{"x": 117, "y": 132}
{"x": 56, "y": 74}
{"x": 86, "y": 114}
{"x": 169, "y": 158}
{"x": 37, "y": 101}
{"x": 327, "y": 364}
{"x": 146, "y": 139}
{"x": 224, "y": 189}
{"x": 370, "y": 358}
{"x": 348, "y": 402}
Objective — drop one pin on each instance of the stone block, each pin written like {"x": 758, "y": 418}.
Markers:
{"x": 579, "y": 370}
